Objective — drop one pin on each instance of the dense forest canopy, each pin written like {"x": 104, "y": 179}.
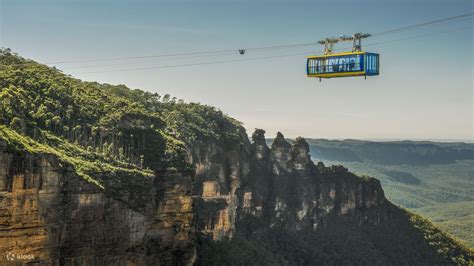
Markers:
{"x": 100, "y": 127}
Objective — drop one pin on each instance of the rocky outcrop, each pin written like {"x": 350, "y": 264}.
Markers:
{"x": 220, "y": 167}
{"x": 280, "y": 185}
{"x": 287, "y": 189}
{"x": 50, "y": 215}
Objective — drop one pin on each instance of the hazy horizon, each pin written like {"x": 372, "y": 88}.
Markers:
{"x": 424, "y": 91}
{"x": 466, "y": 141}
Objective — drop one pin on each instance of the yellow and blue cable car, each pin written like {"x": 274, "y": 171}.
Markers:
{"x": 349, "y": 64}
{"x": 346, "y": 64}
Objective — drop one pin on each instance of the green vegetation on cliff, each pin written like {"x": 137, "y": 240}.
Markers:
{"x": 102, "y": 129}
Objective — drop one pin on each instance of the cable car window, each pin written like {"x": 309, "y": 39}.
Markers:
{"x": 372, "y": 64}
{"x": 335, "y": 64}
{"x": 368, "y": 62}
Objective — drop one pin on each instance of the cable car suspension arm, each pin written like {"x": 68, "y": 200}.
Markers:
{"x": 356, "y": 39}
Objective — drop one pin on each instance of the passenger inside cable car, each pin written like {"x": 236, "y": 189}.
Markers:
{"x": 344, "y": 64}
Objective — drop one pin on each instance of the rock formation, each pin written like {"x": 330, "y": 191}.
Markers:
{"x": 49, "y": 215}
{"x": 287, "y": 188}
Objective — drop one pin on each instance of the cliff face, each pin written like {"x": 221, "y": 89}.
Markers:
{"x": 50, "y": 215}
{"x": 280, "y": 185}
{"x": 292, "y": 211}
{"x": 287, "y": 189}
{"x": 220, "y": 169}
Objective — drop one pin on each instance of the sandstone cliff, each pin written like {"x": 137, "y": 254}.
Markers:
{"x": 50, "y": 215}
{"x": 287, "y": 188}
{"x": 282, "y": 186}
{"x": 291, "y": 211}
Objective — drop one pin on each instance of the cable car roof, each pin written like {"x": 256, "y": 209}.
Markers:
{"x": 337, "y": 54}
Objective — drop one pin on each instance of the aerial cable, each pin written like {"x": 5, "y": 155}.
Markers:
{"x": 196, "y": 64}
{"x": 243, "y": 51}
{"x": 200, "y": 56}
{"x": 139, "y": 62}
{"x": 418, "y": 36}
{"x": 229, "y": 51}
{"x": 423, "y": 24}
{"x": 270, "y": 57}
{"x": 265, "y": 57}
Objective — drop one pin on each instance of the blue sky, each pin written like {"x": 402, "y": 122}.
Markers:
{"x": 424, "y": 90}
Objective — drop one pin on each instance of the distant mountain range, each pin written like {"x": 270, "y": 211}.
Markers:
{"x": 469, "y": 141}
{"x": 392, "y": 152}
